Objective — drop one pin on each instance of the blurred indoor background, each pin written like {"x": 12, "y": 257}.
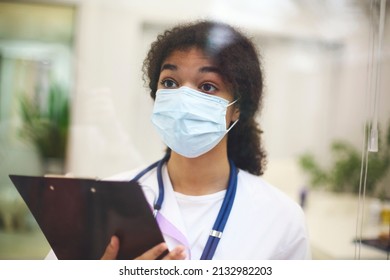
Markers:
{"x": 72, "y": 100}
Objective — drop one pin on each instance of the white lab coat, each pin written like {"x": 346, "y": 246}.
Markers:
{"x": 264, "y": 223}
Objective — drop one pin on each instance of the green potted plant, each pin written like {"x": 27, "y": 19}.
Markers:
{"x": 47, "y": 128}
{"x": 343, "y": 175}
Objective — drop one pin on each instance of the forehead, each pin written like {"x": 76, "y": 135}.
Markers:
{"x": 191, "y": 58}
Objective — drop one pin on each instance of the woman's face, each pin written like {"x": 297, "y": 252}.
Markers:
{"x": 192, "y": 68}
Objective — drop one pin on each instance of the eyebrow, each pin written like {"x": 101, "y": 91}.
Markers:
{"x": 208, "y": 69}
{"x": 205, "y": 69}
{"x": 168, "y": 66}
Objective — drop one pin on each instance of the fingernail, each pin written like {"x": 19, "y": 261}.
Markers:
{"x": 178, "y": 251}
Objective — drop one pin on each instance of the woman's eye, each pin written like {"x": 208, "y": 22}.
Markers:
{"x": 168, "y": 83}
{"x": 208, "y": 88}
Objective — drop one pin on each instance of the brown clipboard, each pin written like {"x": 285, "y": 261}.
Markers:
{"x": 79, "y": 216}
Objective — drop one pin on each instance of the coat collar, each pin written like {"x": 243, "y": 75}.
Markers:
{"x": 169, "y": 218}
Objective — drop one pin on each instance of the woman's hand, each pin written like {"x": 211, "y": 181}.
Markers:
{"x": 176, "y": 254}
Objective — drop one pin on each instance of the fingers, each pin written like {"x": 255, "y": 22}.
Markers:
{"x": 176, "y": 254}
{"x": 152, "y": 254}
{"x": 112, "y": 249}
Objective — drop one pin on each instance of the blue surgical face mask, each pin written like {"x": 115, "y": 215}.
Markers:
{"x": 190, "y": 122}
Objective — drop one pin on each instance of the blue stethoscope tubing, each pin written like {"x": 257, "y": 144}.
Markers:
{"x": 223, "y": 214}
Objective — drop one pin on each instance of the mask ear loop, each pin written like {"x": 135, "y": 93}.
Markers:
{"x": 232, "y": 102}
{"x": 227, "y": 131}
{"x": 235, "y": 120}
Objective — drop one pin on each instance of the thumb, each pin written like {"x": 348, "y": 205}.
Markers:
{"x": 112, "y": 249}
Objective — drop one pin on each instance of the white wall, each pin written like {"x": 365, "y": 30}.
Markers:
{"x": 100, "y": 142}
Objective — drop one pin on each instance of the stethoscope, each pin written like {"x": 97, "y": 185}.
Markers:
{"x": 224, "y": 212}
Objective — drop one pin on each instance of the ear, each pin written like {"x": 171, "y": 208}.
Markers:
{"x": 236, "y": 114}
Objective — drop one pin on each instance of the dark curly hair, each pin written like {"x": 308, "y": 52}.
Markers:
{"x": 236, "y": 57}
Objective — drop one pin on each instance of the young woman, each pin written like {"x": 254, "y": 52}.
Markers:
{"x": 206, "y": 80}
